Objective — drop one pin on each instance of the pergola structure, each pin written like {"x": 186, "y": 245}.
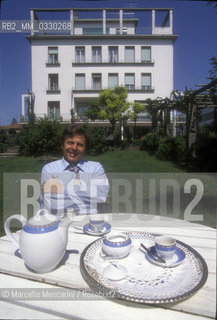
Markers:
{"x": 188, "y": 102}
{"x": 205, "y": 97}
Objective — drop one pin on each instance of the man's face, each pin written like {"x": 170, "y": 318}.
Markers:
{"x": 74, "y": 148}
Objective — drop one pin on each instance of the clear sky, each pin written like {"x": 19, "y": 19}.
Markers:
{"x": 194, "y": 22}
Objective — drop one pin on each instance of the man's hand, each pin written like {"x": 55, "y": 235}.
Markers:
{"x": 52, "y": 186}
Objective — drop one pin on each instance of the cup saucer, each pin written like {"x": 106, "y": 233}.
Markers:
{"x": 115, "y": 272}
{"x": 106, "y": 229}
{"x": 174, "y": 261}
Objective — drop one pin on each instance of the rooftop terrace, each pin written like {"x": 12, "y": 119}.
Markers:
{"x": 103, "y": 21}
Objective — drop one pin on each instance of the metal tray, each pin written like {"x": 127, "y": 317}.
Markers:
{"x": 145, "y": 282}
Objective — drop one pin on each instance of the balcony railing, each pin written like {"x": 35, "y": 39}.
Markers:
{"x": 53, "y": 90}
{"x": 66, "y": 117}
{"x": 128, "y": 87}
{"x": 151, "y": 62}
{"x": 53, "y": 63}
{"x": 146, "y": 88}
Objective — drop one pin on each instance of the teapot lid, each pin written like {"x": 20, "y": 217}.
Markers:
{"x": 41, "y": 218}
{"x": 42, "y": 222}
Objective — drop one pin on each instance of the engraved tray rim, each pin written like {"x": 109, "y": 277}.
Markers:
{"x": 112, "y": 294}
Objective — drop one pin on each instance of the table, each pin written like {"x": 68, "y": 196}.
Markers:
{"x": 15, "y": 276}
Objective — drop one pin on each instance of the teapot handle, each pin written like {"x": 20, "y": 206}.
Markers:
{"x": 7, "y": 227}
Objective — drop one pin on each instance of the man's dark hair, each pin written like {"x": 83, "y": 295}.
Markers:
{"x": 71, "y": 130}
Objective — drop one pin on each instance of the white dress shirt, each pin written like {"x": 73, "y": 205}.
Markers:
{"x": 69, "y": 193}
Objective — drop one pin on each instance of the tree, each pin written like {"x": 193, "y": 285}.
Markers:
{"x": 13, "y": 121}
{"x": 30, "y": 107}
{"x": 114, "y": 106}
{"x": 165, "y": 105}
{"x": 136, "y": 109}
{"x": 72, "y": 113}
{"x": 92, "y": 113}
{"x": 111, "y": 105}
{"x": 213, "y": 70}
{"x": 213, "y": 90}
{"x": 152, "y": 108}
{"x": 3, "y": 141}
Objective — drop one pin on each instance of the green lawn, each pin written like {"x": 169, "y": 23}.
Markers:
{"x": 135, "y": 169}
{"x": 133, "y": 161}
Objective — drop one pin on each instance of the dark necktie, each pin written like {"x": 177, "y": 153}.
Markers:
{"x": 76, "y": 171}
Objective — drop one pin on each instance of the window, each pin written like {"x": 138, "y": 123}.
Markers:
{"x": 96, "y": 81}
{"x": 146, "y": 81}
{"x": 80, "y": 54}
{"x": 112, "y": 80}
{"x": 113, "y": 54}
{"x": 130, "y": 81}
{"x": 53, "y": 82}
{"x": 146, "y": 54}
{"x": 80, "y": 81}
{"x": 53, "y": 55}
{"x": 129, "y": 54}
{"x": 54, "y": 109}
{"x": 96, "y": 54}
{"x": 124, "y": 30}
{"x": 81, "y": 107}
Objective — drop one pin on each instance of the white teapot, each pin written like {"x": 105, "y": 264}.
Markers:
{"x": 42, "y": 241}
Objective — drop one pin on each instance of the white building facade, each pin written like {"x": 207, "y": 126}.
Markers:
{"x": 70, "y": 70}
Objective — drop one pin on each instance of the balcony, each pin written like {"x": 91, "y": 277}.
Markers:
{"x": 53, "y": 90}
{"x": 142, "y": 88}
{"x": 88, "y": 89}
{"x": 62, "y": 117}
{"x": 129, "y": 88}
{"x": 146, "y": 88}
{"x": 144, "y": 117}
{"x": 53, "y": 63}
{"x": 119, "y": 62}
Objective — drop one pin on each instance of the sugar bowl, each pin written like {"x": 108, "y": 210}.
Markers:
{"x": 116, "y": 245}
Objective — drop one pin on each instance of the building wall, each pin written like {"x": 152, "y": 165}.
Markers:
{"x": 161, "y": 70}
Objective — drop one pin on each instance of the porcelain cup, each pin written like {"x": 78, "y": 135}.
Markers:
{"x": 165, "y": 246}
{"x": 117, "y": 245}
{"x": 96, "y": 222}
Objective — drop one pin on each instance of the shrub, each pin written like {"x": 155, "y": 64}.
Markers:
{"x": 124, "y": 144}
{"x": 204, "y": 152}
{"x": 164, "y": 151}
{"x": 41, "y": 138}
{"x": 3, "y": 141}
{"x": 98, "y": 142}
{"x": 150, "y": 142}
{"x": 44, "y": 138}
{"x": 173, "y": 149}
{"x": 179, "y": 155}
